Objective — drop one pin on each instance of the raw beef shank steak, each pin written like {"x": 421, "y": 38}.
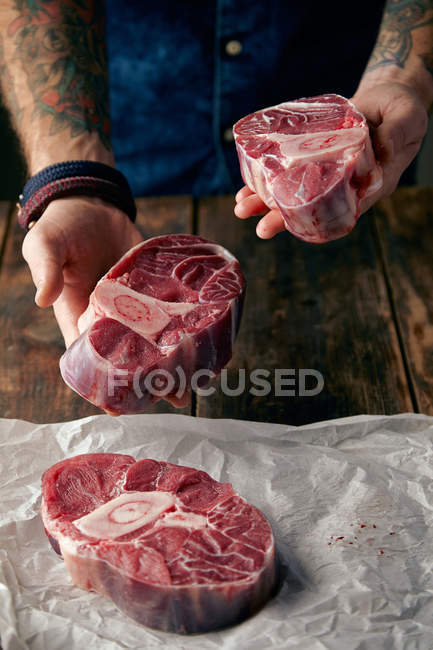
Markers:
{"x": 171, "y": 304}
{"x": 173, "y": 548}
{"x": 312, "y": 158}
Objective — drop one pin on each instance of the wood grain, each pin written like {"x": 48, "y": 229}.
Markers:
{"x": 31, "y": 343}
{"x": 309, "y": 306}
{"x": 31, "y": 387}
{"x": 405, "y": 231}
{"x": 162, "y": 216}
{"x": 328, "y": 307}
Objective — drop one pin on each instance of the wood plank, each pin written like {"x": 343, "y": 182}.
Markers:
{"x": 404, "y": 229}
{"x": 323, "y": 307}
{"x": 162, "y": 216}
{"x": 31, "y": 343}
{"x": 31, "y": 387}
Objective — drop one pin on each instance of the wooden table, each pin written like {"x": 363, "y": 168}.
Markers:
{"x": 359, "y": 310}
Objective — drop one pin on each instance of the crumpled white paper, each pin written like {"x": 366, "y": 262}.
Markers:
{"x": 350, "y": 502}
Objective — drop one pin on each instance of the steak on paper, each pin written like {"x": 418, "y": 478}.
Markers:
{"x": 173, "y": 548}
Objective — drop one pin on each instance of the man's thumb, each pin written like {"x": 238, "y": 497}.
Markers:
{"x": 45, "y": 259}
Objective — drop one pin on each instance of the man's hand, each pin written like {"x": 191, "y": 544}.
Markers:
{"x": 249, "y": 204}
{"x": 394, "y": 94}
{"x": 398, "y": 122}
{"x": 73, "y": 244}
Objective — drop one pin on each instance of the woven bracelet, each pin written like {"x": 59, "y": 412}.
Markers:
{"x": 74, "y": 178}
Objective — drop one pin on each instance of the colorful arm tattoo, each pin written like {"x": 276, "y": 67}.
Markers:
{"x": 61, "y": 47}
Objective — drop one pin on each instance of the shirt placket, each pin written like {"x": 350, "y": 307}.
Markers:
{"x": 221, "y": 130}
{"x": 236, "y": 66}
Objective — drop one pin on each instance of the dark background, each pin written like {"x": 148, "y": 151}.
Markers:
{"x": 12, "y": 169}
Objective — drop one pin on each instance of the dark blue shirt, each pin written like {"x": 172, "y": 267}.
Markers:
{"x": 181, "y": 73}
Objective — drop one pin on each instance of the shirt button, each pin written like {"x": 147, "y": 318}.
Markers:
{"x": 233, "y": 48}
{"x": 228, "y": 135}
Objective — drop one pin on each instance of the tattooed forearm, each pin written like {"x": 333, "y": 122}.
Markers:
{"x": 8, "y": 86}
{"x": 60, "y": 45}
{"x": 401, "y": 23}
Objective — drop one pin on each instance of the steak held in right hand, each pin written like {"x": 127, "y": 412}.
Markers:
{"x": 310, "y": 162}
